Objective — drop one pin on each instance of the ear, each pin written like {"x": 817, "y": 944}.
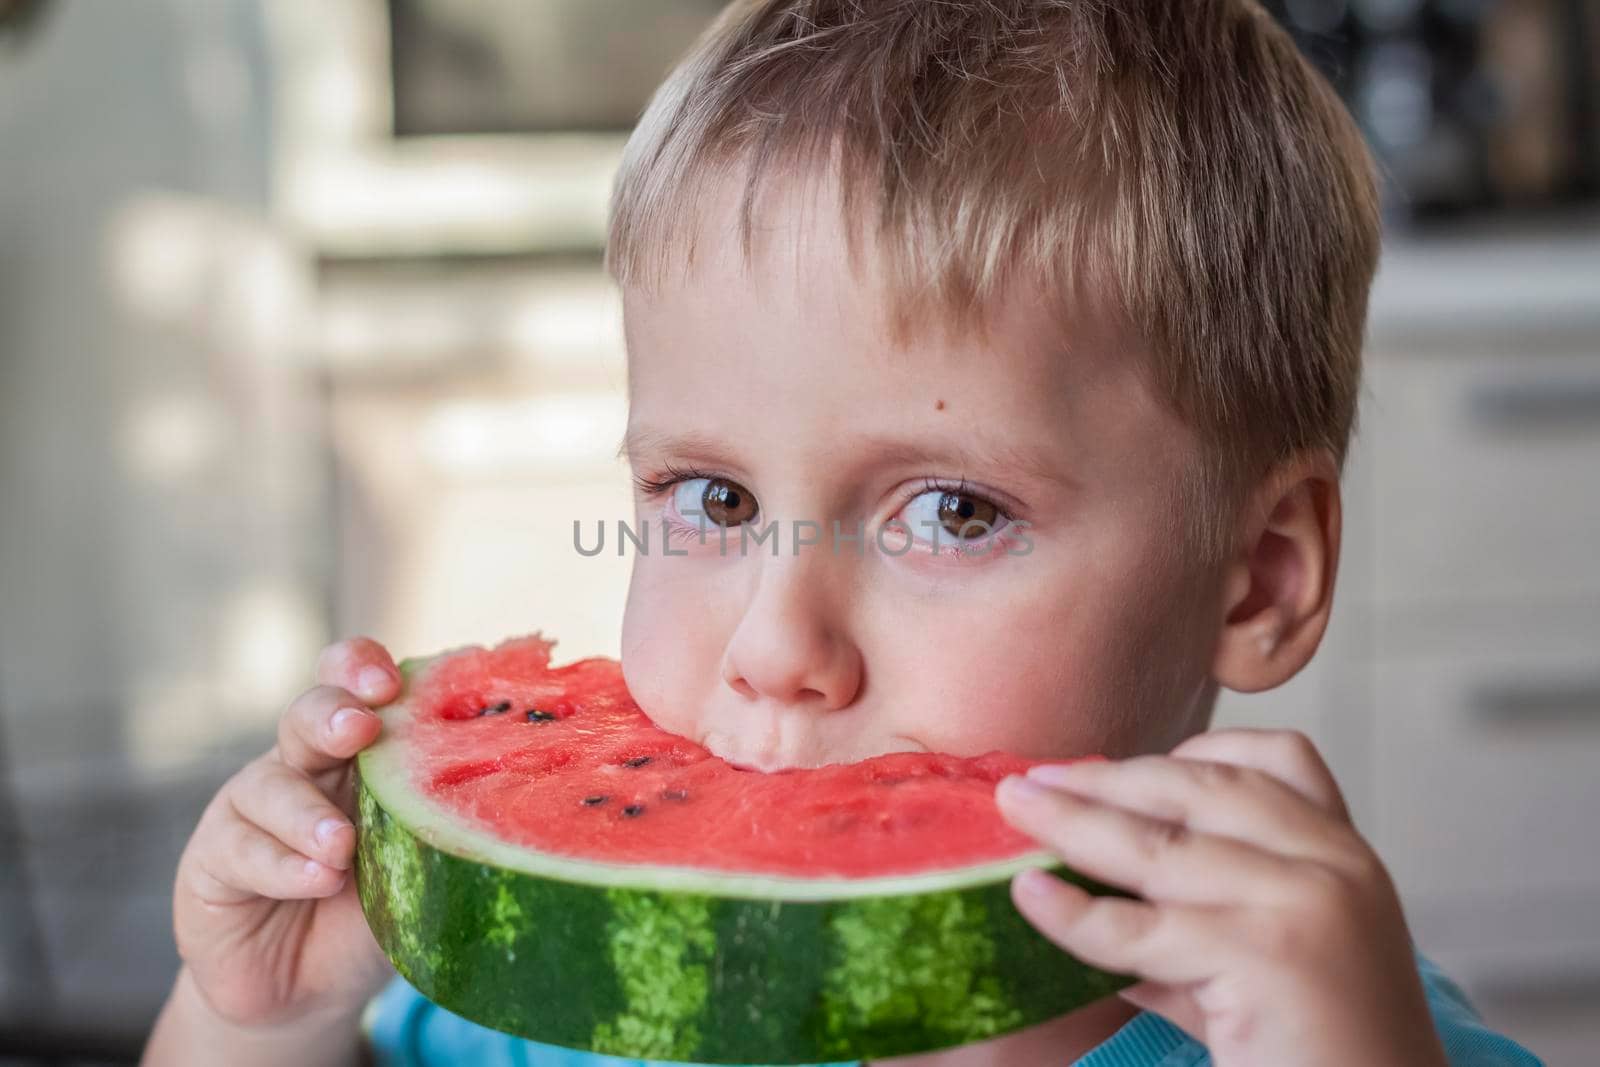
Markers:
{"x": 1278, "y": 590}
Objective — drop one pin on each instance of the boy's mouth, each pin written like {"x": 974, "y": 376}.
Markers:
{"x": 739, "y": 766}
{"x": 770, "y": 759}
{"x": 762, "y": 738}
{"x": 741, "y": 759}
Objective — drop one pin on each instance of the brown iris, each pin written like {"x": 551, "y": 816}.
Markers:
{"x": 957, "y": 510}
{"x": 727, "y": 503}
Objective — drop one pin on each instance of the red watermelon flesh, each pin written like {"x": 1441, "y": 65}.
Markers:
{"x": 562, "y": 760}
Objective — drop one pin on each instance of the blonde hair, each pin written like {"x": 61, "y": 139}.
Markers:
{"x": 1177, "y": 162}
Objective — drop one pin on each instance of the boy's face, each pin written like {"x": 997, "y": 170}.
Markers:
{"x": 779, "y": 386}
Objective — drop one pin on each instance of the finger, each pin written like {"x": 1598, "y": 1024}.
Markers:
{"x": 239, "y": 862}
{"x": 287, "y": 805}
{"x": 362, "y": 666}
{"x": 1176, "y": 1004}
{"x": 1159, "y": 860}
{"x": 1224, "y": 799}
{"x": 323, "y": 728}
{"x": 1288, "y": 755}
{"x": 1166, "y": 943}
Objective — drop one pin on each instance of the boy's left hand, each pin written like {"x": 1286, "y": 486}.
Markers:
{"x": 1268, "y": 929}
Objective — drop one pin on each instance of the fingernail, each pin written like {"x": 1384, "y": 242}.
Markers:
{"x": 313, "y": 868}
{"x": 1016, "y": 788}
{"x": 344, "y": 717}
{"x": 327, "y": 828}
{"x": 1053, "y": 773}
{"x": 1034, "y": 882}
{"x": 373, "y": 680}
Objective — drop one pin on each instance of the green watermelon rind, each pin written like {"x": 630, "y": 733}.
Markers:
{"x": 675, "y": 964}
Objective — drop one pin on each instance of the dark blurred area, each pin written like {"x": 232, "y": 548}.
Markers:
{"x": 532, "y": 68}
{"x": 303, "y": 333}
{"x": 1474, "y": 105}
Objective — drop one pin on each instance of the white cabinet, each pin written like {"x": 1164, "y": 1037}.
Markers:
{"x": 1487, "y": 477}
{"x": 1486, "y": 760}
{"x": 1483, "y": 728}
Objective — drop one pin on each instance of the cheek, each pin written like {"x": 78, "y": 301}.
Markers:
{"x": 1027, "y": 679}
{"x": 670, "y": 652}
{"x": 1072, "y": 667}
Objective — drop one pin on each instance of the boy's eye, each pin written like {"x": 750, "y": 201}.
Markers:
{"x": 724, "y": 502}
{"x": 962, "y": 515}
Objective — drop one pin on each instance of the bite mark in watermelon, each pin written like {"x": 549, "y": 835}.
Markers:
{"x": 535, "y": 855}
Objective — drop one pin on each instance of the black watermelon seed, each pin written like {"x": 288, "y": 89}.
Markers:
{"x": 535, "y": 715}
{"x": 637, "y": 761}
{"x": 674, "y": 794}
{"x": 633, "y": 809}
{"x": 495, "y": 709}
{"x": 598, "y": 798}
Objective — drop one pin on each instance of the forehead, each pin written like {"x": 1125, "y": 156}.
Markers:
{"x": 804, "y": 293}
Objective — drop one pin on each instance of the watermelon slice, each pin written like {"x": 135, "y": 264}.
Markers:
{"x": 535, "y": 855}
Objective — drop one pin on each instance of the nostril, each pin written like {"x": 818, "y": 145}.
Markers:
{"x": 743, "y": 687}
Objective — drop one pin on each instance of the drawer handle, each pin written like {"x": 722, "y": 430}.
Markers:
{"x": 1548, "y": 403}
{"x": 1508, "y": 703}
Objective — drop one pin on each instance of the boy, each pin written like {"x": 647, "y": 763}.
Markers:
{"x": 1063, "y": 298}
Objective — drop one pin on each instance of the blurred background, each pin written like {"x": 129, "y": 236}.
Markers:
{"x": 303, "y": 333}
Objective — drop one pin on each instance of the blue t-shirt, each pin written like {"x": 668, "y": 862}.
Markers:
{"x": 405, "y": 1029}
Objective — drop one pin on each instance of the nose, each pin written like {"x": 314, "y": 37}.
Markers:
{"x": 789, "y": 646}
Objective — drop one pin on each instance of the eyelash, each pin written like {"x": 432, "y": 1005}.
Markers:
{"x": 671, "y": 476}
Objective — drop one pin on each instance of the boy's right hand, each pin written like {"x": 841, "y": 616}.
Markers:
{"x": 265, "y": 909}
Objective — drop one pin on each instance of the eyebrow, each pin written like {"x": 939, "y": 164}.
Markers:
{"x": 969, "y": 454}
{"x": 638, "y": 440}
